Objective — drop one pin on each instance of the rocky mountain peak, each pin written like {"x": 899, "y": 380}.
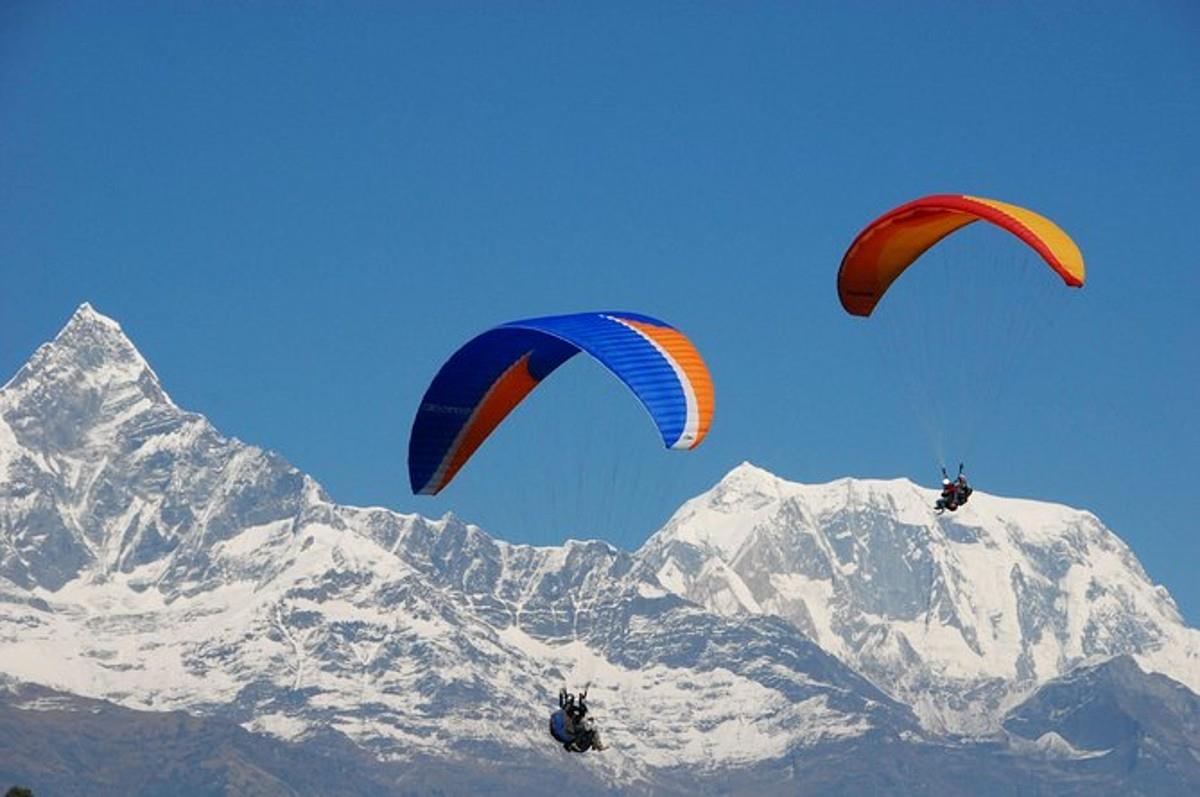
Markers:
{"x": 746, "y": 479}
{"x": 89, "y": 371}
{"x": 93, "y": 347}
{"x": 103, "y": 472}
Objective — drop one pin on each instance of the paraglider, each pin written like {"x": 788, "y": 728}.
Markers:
{"x": 476, "y": 389}
{"x": 954, "y": 493}
{"x": 572, "y": 726}
{"x": 491, "y": 374}
{"x": 895, "y": 240}
{"x": 883, "y": 251}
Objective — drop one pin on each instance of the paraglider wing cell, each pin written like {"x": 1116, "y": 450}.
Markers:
{"x": 484, "y": 380}
{"x": 891, "y": 243}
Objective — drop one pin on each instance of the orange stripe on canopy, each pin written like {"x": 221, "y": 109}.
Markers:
{"x": 505, "y": 394}
{"x": 683, "y": 352}
{"x": 896, "y": 239}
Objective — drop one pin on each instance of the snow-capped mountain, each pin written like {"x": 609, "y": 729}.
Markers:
{"x": 959, "y": 616}
{"x": 149, "y": 560}
{"x": 770, "y": 633}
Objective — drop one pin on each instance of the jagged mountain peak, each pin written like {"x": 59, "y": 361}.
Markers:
{"x": 747, "y": 472}
{"x": 91, "y": 361}
{"x": 85, "y": 314}
{"x": 103, "y": 472}
{"x": 99, "y": 345}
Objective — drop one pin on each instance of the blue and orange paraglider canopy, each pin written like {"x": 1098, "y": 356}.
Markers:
{"x": 492, "y": 373}
{"x": 891, "y": 243}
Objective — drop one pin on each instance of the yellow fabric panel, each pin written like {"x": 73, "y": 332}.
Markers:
{"x": 1057, "y": 241}
{"x": 891, "y": 243}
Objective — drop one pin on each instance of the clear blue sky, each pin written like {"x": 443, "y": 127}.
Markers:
{"x": 297, "y": 211}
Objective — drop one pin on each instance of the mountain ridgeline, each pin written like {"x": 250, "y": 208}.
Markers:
{"x": 772, "y": 637}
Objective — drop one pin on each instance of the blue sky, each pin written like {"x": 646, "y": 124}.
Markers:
{"x": 298, "y": 211}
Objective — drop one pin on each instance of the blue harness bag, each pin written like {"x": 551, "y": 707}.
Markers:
{"x": 558, "y": 727}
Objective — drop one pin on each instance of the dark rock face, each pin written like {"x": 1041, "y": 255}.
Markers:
{"x": 1142, "y": 726}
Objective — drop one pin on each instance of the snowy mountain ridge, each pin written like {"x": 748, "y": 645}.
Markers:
{"x": 986, "y": 602}
{"x": 148, "y": 560}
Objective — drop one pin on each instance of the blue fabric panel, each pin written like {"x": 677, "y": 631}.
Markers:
{"x": 633, "y": 359}
{"x": 467, "y": 376}
{"x": 463, "y": 382}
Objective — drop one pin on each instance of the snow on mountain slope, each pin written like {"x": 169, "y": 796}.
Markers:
{"x": 103, "y": 470}
{"x": 148, "y": 560}
{"x": 959, "y": 616}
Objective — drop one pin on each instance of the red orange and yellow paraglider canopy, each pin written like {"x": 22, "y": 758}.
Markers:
{"x": 896, "y": 239}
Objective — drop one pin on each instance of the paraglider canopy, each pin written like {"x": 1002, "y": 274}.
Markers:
{"x": 891, "y": 243}
{"x": 492, "y": 373}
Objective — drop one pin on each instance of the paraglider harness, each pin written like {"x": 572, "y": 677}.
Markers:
{"x": 954, "y": 493}
{"x": 571, "y": 725}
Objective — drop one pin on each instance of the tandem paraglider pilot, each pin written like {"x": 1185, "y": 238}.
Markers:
{"x": 954, "y": 493}
{"x": 571, "y": 726}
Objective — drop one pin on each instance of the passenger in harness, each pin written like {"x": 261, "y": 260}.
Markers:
{"x": 949, "y": 497}
{"x": 571, "y": 726}
{"x": 954, "y": 493}
{"x": 961, "y": 487}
